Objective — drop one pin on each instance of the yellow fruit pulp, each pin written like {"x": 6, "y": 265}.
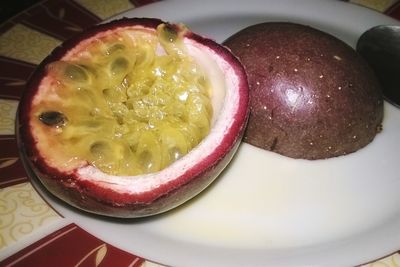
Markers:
{"x": 125, "y": 105}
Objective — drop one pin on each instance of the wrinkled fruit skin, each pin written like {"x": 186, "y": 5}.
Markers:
{"x": 86, "y": 194}
{"x": 312, "y": 96}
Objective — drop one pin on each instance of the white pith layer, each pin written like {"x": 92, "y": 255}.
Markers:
{"x": 225, "y": 101}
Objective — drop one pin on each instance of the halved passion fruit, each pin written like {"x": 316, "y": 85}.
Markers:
{"x": 133, "y": 117}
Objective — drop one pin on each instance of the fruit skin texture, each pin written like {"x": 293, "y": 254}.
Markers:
{"x": 311, "y": 95}
{"x": 87, "y": 193}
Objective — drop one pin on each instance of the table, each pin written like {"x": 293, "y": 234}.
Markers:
{"x": 25, "y": 218}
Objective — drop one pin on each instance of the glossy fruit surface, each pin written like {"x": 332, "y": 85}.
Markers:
{"x": 312, "y": 96}
{"x": 133, "y": 117}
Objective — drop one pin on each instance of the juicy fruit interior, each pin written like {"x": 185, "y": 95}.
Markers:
{"x": 129, "y": 103}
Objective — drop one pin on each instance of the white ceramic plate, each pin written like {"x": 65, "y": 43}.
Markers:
{"x": 266, "y": 209}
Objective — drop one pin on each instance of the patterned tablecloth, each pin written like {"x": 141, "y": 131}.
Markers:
{"x": 24, "y": 41}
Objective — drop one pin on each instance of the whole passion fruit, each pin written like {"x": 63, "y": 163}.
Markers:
{"x": 311, "y": 95}
{"x": 133, "y": 117}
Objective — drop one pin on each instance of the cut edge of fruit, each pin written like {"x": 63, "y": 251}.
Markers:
{"x": 226, "y": 127}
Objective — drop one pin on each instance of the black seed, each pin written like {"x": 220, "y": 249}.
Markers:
{"x": 119, "y": 65}
{"x": 100, "y": 149}
{"x": 53, "y": 118}
{"x": 170, "y": 32}
{"x": 76, "y": 73}
{"x": 115, "y": 47}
